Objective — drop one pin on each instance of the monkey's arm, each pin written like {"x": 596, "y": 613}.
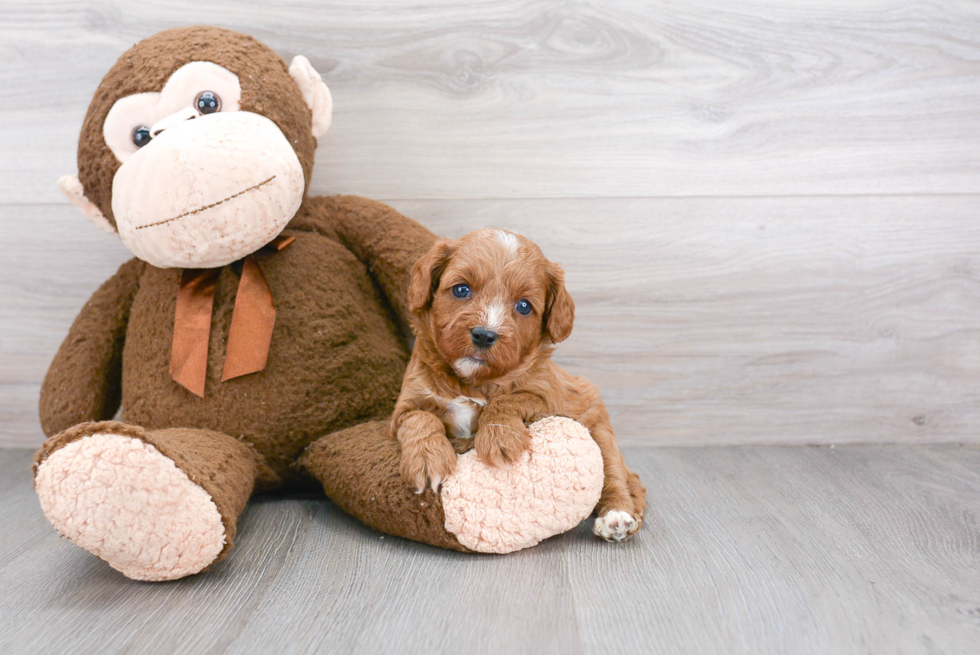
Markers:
{"x": 84, "y": 382}
{"x": 386, "y": 241}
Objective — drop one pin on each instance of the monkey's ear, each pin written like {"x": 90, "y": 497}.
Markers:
{"x": 425, "y": 276}
{"x": 72, "y": 188}
{"x": 315, "y": 93}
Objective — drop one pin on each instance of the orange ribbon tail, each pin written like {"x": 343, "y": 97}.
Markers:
{"x": 252, "y": 322}
{"x": 192, "y": 328}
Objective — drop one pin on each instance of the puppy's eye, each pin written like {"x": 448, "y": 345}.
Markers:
{"x": 141, "y": 136}
{"x": 523, "y": 307}
{"x": 461, "y": 291}
{"x": 207, "y": 102}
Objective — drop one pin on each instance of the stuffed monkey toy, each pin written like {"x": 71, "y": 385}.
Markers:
{"x": 255, "y": 341}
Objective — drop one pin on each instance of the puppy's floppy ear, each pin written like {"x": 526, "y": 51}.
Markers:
{"x": 425, "y": 275}
{"x": 559, "y": 311}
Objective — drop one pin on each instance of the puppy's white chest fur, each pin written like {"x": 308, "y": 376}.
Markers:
{"x": 463, "y": 415}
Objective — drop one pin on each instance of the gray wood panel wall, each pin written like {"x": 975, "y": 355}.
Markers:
{"x": 767, "y": 210}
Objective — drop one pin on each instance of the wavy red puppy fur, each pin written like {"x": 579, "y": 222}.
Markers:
{"x": 488, "y": 310}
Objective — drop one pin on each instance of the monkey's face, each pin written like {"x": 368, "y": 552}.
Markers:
{"x": 192, "y": 170}
{"x": 202, "y": 183}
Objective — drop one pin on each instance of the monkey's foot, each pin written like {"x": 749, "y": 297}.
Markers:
{"x": 549, "y": 490}
{"x": 552, "y": 487}
{"x": 119, "y": 498}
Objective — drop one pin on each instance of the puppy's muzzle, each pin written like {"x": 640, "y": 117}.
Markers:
{"x": 483, "y": 338}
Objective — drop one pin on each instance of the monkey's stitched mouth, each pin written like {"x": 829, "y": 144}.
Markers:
{"x": 206, "y": 207}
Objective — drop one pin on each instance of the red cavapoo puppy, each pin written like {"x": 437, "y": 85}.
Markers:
{"x": 488, "y": 310}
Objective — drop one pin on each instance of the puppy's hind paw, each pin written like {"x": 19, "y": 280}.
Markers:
{"x": 616, "y": 525}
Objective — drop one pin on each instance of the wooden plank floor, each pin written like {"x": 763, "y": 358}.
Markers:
{"x": 859, "y": 549}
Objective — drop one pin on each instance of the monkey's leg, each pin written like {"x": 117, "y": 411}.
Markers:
{"x": 155, "y": 505}
{"x": 553, "y": 487}
{"x": 359, "y": 469}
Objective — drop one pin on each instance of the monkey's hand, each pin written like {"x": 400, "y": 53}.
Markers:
{"x": 84, "y": 382}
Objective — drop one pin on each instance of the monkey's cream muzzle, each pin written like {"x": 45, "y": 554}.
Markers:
{"x": 207, "y": 191}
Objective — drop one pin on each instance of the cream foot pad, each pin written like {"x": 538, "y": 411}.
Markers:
{"x": 122, "y": 500}
{"x": 554, "y": 486}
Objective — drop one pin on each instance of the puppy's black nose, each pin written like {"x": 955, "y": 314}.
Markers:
{"x": 482, "y": 337}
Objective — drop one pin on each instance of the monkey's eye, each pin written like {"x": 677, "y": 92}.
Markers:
{"x": 207, "y": 102}
{"x": 141, "y": 136}
{"x": 523, "y": 307}
{"x": 461, "y": 291}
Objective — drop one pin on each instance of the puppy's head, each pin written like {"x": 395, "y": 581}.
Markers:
{"x": 490, "y": 303}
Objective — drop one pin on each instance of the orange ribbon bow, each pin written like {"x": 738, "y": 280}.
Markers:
{"x": 250, "y": 334}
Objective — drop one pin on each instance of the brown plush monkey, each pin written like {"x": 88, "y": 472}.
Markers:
{"x": 254, "y": 340}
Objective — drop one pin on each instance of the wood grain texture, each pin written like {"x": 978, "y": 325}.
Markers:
{"x": 703, "y": 320}
{"x": 765, "y": 320}
{"x": 782, "y": 550}
{"x": 521, "y": 99}
{"x": 747, "y": 550}
{"x": 766, "y": 210}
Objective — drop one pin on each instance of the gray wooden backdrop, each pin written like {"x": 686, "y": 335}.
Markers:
{"x": 767, "y": 210}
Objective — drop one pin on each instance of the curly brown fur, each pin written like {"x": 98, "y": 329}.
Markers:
{"x": 456, "y": 380}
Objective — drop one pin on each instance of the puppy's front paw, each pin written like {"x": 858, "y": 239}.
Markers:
{"x": 502, "y": 444}
{"x": 615, "y": 525}
{"x": 428, "y": 462}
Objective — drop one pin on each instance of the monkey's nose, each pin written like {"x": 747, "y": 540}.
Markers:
{"x": 185, "y": 114}
{"x": 482, "y": 337}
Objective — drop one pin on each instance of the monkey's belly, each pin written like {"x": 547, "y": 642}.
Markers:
{"x": 336, "y": 357}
